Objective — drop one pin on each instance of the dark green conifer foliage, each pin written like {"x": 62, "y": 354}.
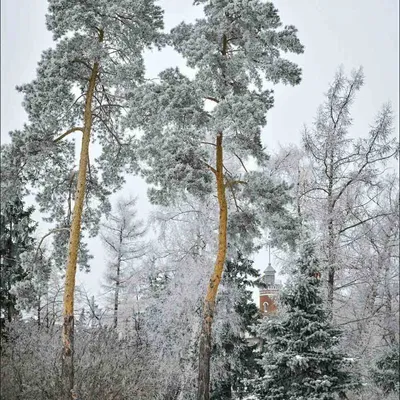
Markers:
{"x": 387, "y": 369}
{"x": 16, "y": 230}
{"x": 301, "y": 358}
{"x": 239, "y": 355}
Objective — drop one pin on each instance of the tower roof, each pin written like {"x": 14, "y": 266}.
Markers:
{"x": 269, "y": 270}
{"x": 268, "y": 277}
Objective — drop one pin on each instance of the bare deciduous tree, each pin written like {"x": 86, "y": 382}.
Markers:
{"x": 122, "y": 235}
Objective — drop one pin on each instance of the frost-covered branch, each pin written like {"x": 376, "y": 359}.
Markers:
{"x": 67, "y": 133}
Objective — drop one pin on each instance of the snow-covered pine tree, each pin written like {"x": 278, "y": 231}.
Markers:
{"x": 300, "y": 354}
{"x": 233, "y": 355}
{"x": 122, "y": 235}
{"x": 199, "y": 133}
{"x": 81, "y": 87}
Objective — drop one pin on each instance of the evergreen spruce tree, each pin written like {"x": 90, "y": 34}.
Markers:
{"x": 240, "y": 359}
{"x": 385, "y": 372}
{"x": 16, "y": 230}
{"x": 300, "y": 357}
{"x": 34, "y": 292}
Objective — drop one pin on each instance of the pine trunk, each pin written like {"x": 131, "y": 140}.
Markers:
{"x": 67, "y": 370}
{"x": 203, "y": 389}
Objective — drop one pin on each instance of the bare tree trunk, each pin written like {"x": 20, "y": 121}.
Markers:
{"x": 331, "y": 237}
{"x": 390, "y": 324}
{"x": 203, "y": 390}
{"x": 38, "y": 310}
{"x": 331, "y": 285}
{"x": 9, "y": 265}
{"x": 117, "y": 282}
{"x": 298, "y": 190}
{"x": 67, "y": 371}
{"x": 47, "y": 306}
{"x": 10, "y": 306}
{"x": 116, "y": 294}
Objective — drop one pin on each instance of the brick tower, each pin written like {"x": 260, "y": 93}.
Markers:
{"x": 269, "y": 292}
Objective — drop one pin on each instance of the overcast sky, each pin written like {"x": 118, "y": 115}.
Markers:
{"x": 349, "y": 32}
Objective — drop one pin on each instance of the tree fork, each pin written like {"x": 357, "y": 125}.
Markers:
{"x": 67, "y": 371}
{"x": 203, "y": 390}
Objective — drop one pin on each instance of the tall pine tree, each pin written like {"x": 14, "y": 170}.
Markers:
{"x": 81, "y": 88}
{"x": 198, "y": 134}
{"x": 300, "y": 356}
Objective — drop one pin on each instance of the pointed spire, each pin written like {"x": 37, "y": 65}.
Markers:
{"x": 269, "y": 270}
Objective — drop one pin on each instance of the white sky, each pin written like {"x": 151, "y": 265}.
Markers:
{"x": 349, "y": 32}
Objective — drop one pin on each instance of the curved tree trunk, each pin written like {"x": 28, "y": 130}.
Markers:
{"x": 67, "y": 371}
{"x": 203, "y": 389}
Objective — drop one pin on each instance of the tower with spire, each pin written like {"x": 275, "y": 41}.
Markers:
{"x": 269, "y": 289}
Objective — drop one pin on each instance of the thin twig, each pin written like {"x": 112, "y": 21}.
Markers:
{"x": 241, "y": 162}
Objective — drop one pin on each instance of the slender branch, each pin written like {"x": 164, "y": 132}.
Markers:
{"x": 75, "y": 101}
{"x": 78, "y": 128}
{"x": 175, "y": 215}
{"x": 238, "y": 208}
{"x": 211, "y": 144}
{"x": 312, "y": 148}
{"x": 236, "y": 182}
{"x": 359, "y": 172}
{"x": 344, "y": 104}
{"x": 109, "y": 243}
{"x": 227, "y": 171}
{"x": 364, "y": 221}
{"x": 45, "y": 236}
{"x": 77, "y": 60}
{"x": 351, "y": 283}
{"x": 210, "y": 168}
{"x": 241, "y": 162}
{"x": 312, "y": 190}
{"x": 114, "y": 135}
{"x": 212, "y": 99}
{"x": 364, "y": 318}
